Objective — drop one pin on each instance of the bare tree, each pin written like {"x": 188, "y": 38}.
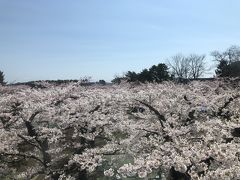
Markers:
{"x": 85, "y": 79}
{"x": 180, "y": 66}
{"x": 187, "y": 67}
{"x": 231, "y": 55}
{"x": 197, "y": 65}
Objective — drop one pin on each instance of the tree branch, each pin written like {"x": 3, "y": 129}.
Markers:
{"x": 24, "y": 156}
{"x": 34, "y": 115}
{"x": 95, "y": 109}
{"x": 151, "y": 132}
{"x": 161, "y": 118}
{"x": 27, "y": 141}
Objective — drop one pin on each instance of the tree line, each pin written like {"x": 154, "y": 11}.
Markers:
{"x": 182, "y": 67}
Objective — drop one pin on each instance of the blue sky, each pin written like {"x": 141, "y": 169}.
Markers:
{"x": 62, "y": 39}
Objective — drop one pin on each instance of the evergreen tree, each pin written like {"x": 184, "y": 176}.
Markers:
{"x": 131, "y": 76}
{"x": 2, "y": 82}
{"x": 228, "y": 62}
{"x": 159, "y": 73}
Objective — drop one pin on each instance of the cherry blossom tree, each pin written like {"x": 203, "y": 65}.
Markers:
{"x": 163, "y": 130}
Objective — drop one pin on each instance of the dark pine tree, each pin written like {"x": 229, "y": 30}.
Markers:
{"x": 2, "y": 82}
